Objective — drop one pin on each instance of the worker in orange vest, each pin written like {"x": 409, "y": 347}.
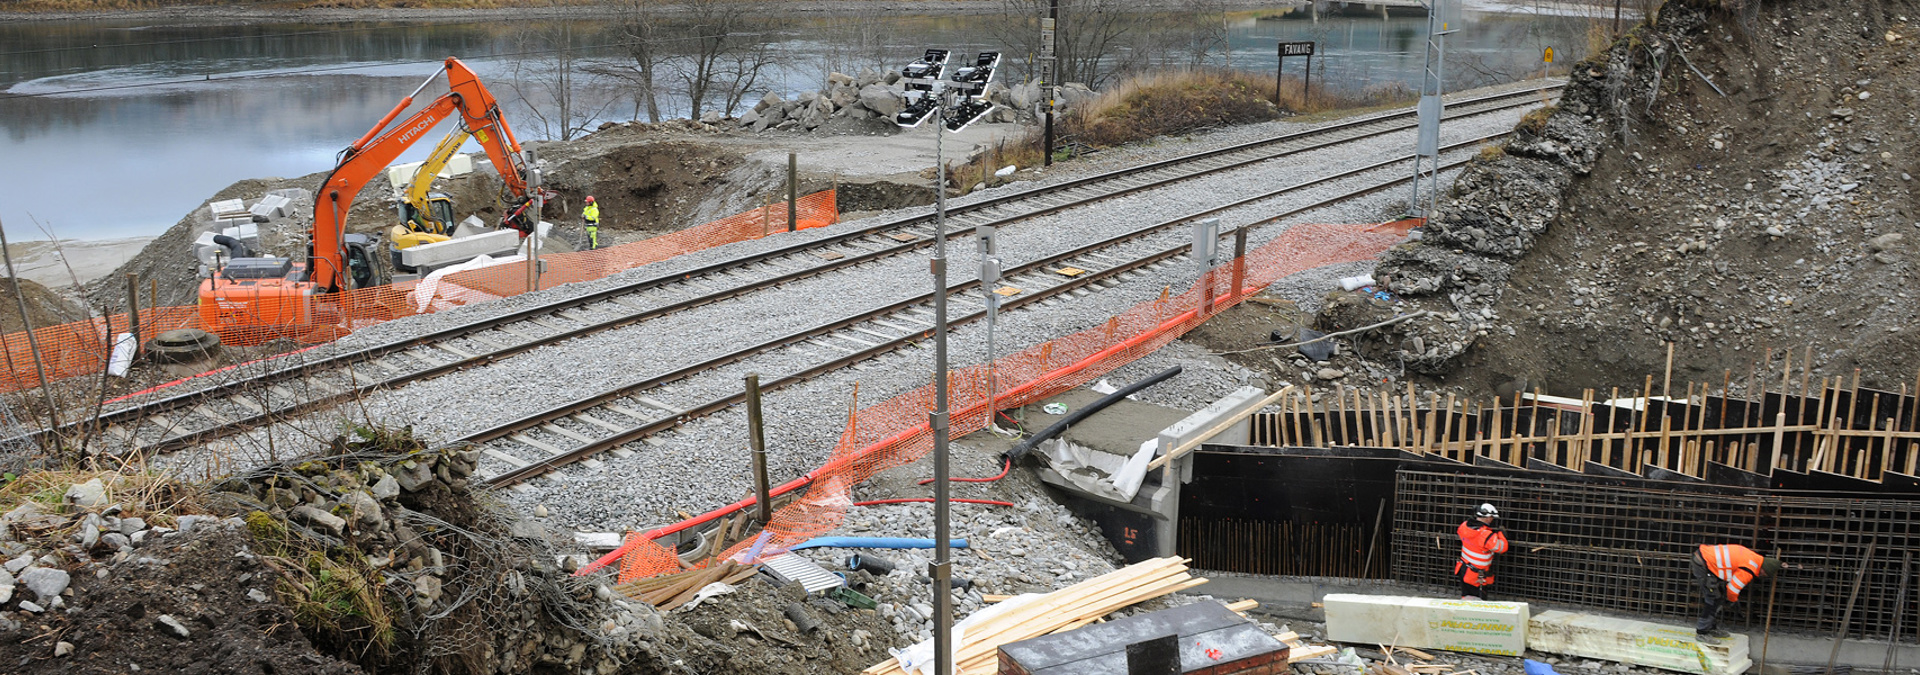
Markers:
{"x": 1480, "y": 540}
{"x": 1723, "y": 571}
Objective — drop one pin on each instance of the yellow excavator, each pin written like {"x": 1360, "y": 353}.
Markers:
{"x": 427, "y": 216}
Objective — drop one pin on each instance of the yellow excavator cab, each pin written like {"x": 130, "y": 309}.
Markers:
{"x": 404, "y": 238}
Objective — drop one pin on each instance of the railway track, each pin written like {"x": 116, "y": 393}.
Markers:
{"x": 547, "y": 440}
{"x": 166, "y": 422}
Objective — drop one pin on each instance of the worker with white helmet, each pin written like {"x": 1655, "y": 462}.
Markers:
{"x": 1480, "y": 540}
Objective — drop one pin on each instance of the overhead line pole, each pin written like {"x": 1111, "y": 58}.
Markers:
{"x": 1049, "y": 41}
{"x": 942, "y": 567}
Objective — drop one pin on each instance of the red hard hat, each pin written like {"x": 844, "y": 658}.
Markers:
{"x": 589, "y": 199}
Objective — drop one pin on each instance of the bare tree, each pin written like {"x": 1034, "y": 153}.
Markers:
{"x": 1092, "y": 37}
{"x": 546, "y": 79}
{"x": 728, "y": 50}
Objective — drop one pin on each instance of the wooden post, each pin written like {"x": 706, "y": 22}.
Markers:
{"x": 1340, "y": 404}
{"x": 793, "y": 191}
{"x": 757, "y": 439}
{"x": 133, "y": 314}
{"x": 1447, "y": 447}
{"x": 1313, "y": 426}
{"x": 1819, "y": 422}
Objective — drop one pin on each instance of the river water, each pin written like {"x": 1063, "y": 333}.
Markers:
{"x": 114, "y": 128}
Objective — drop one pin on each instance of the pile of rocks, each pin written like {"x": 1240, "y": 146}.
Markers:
{"x": 877, "y": 96}
{"x": 1501, "y": 206}
{"x": 451, "y": 562}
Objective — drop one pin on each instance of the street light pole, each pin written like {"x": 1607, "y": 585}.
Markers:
{"x": 942, "y": 567}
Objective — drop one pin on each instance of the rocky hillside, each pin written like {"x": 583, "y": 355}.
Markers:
{"x": 1734, "y": 179}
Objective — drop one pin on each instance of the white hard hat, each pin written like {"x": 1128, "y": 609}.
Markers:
{"x": 1487, "y": 511}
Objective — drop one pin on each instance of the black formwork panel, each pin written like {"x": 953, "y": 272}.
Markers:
{"x": 1574, "y": 542}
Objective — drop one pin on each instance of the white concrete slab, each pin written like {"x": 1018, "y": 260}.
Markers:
{"x": 452, "y": 251}
{"x": 1641, "y": 643}
{"x": 1480, "y": 627}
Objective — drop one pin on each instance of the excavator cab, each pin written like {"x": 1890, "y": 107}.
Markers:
{"x": 438, "y": 218}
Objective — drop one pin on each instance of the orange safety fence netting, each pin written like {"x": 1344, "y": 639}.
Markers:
{"x": 896, "y": 432}
{"x": 83, "y": 347}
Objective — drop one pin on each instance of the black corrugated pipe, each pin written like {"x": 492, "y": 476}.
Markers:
{"x": 237, "y": 248}
{"x": 1074, "y": 417}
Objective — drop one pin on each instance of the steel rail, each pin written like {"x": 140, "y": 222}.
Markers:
{"x": 345, "y": 361}
{"x": 640, "y": 431}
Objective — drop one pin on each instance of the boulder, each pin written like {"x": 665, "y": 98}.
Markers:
{"x": 815, "y": 116}
{"x": 1074, "y": 94}
{"x": 839, "y": 80}
{"x": 327, "y": 521}
{"x": 365, "y": 509}
{"x": 749, "y": 118}
{"x": 844, "y": 96}
{"x": 88, "y": 495}
{"x": 386, "y": 487}
{"x": 773, "y": 116}
{"x": 769, "y": 101}
{"x": 891, "y": 77}
{"x": 882, "y": 100}
{"x": 867, "y": 76}
{"x": 46, "y": 582}
{"x": 1024, "y": 95}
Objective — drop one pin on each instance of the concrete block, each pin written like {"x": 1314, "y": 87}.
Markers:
{"x": 277, "y": 205}
{"x": 402, "y": 174}
{"x": 243, "y": 219}
{"x": 471, "y": 226}
{"x": 458, "y": 165}
{"x": 292, "y": 194}
{"x": 441, "y": 254}
{"x": 1207, "y": 418}
{"x": 228, "y": 208}
{"x": 262, "y": 210}
{"x": 1480, "y": 627}
{"x": 1641, "y": 643}
{"x": 248, "y": 232}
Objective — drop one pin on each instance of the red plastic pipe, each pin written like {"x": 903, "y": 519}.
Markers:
{"x": 877, "y": 502}
{"x": 1004, "y": 468}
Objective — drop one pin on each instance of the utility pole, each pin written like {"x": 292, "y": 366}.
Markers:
{"x": 1432, "y": 86}
{"x": 989, "y": 281}
{"x": 942, "y": 567}
{"x": 533, "y": 235}
{"x": 1049, "y": 69}
{"x": 1616, "y": 17}
{"x": 757, "y": 438}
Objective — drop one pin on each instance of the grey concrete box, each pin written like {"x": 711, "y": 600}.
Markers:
{"x": 453, "y": 251}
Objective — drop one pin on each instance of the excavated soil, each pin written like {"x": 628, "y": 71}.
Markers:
{"x": 203, "y": 582}
{"x": 1780, "y": 216}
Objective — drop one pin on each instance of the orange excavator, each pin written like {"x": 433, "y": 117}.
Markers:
{"x": 251, "y": 298}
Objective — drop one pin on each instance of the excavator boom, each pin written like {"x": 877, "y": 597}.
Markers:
{"x": 422, "y": 183}
{"x": 479, "y": 115}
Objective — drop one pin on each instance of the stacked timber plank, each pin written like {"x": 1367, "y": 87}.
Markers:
{"x": 668, "y": 591}
{"x": 1065, "y": 609}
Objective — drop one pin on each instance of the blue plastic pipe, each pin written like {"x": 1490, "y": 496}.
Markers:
{"x": 873, "y": 542}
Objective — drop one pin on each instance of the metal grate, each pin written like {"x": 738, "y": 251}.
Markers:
{"x": 1628, "y": 549}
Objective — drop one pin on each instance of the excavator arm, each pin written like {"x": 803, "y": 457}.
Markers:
{"x": 479, "y": 115}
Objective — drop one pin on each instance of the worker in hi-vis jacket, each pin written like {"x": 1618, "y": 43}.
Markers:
{"x": 1723, "y": 571}
{"x": 1480, "y": 540}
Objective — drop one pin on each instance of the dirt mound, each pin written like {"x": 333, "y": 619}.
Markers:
{"x": 211, "y": 584}
{"x": 1737, "y": 182}
{"x": 44, "y": 307}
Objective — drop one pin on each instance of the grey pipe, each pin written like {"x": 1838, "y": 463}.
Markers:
{"x": 1074, "y": 417}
